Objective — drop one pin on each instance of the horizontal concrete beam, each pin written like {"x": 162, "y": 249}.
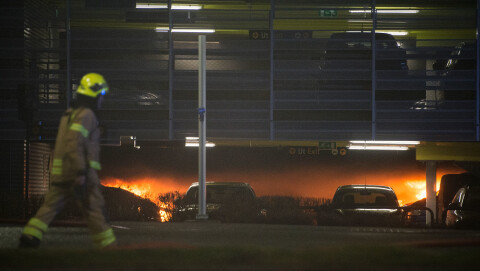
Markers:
{"x": 448, "y": 151}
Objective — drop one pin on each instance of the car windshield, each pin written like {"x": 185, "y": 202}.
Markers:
{"x": 220, "y": 194}
{"x": 472, "y": 200}
{"x": 365, "y": 198}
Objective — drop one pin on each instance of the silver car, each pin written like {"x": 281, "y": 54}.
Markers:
{"x": 368, "y": 205}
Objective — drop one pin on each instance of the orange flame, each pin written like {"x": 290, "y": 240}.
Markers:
{"x": 146, "y": 188}
{"x": 419, "y": 188}
{"x": 412, "y": 190}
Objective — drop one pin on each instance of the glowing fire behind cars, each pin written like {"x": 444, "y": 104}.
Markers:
{"x": 148, "y": 189}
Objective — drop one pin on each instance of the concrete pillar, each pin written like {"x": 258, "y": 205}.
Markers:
{"x": 431, "y": 189}
{"x": 202, "y": 129}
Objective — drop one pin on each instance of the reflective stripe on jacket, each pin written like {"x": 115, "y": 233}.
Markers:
{"x": 77, "y": 148}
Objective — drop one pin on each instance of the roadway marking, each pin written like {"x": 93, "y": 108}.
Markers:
{"x": 120, "y": 227}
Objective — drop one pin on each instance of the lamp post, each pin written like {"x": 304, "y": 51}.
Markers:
{"x": 202, "y": 157}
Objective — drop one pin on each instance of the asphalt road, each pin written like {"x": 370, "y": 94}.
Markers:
{"x": 259, "y": 246}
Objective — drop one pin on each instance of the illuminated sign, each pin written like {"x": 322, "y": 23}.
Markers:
{"x": 259, "y": 34}
{"x": 327, "y": 145}
{"x": 327, "y": 13}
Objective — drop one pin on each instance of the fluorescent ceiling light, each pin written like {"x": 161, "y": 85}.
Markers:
{"x": 391, "y": 11}
{"x": 378, "y": 148}
{"x": 383, "y": 145}
{"x": 208, "y": 145}
{"x": 184, "y": 30}
{"x": 165, "y": 6}
{"x": 193, "y": 30}
{"x": 194, "y": 142}
{"x": 395, "y": 33}
{"x": 385, "y": 142}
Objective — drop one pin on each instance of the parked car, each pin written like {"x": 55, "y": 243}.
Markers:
{"x": 353, "y": 50}
{"x": 464, "y": 210}
{"x": 449, "y": 185}
{"x": 226, "y": 201}
{"x": 368, "y": 205}
{"x": 415, "y": 217}
{"x": 455, "y": 90}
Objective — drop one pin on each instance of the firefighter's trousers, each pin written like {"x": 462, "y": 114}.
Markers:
{"x": 89, "y": 197}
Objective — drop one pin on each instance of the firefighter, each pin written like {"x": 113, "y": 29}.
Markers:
{"x": 74, "y": 171}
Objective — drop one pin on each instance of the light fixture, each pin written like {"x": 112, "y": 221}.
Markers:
{"x": 187, "y": 30}
{"x": 165, "y": 6}
{"x": 394, "y": 33}
{"x": 385, "y": 142}
{"x": 194, "y": 142}
{"x": 389, "y": 145}
{"x": 389, "y": 11}
{"x": 377, "y": 148}
{"x": 184, "y": 30}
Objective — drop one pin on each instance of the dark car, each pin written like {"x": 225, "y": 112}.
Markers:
{"x": 226, "y": 201}
{"x": 462, "y": 57}
{"x": 464, "y": 210}
{"x": 456, "y": 89}
{"x": 353, "y": 50}
{"x": 415, "y": 214}
{"x": 449, "y": 186}
{"x": 368, "y": 205}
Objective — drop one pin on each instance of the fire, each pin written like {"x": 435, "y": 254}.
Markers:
{"x": 412, "y": 190}
{"x": 419, "y": 188}
{"x": 145, "y": 188}
{"x": 164, "y": 215}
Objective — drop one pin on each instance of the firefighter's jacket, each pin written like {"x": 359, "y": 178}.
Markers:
{"x": 77, "y": 148}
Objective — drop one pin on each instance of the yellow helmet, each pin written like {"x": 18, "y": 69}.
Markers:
{"x": 92, "y": 85}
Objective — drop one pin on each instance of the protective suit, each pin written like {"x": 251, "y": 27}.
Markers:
{"x": 74, "y": 172}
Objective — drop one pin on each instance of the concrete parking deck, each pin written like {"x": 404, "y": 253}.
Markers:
{"x": 211, "y": 245}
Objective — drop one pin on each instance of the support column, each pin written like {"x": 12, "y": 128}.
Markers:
{"x": 68, "y": 87}
{"x": 374, "y": 68}
{"x": 202, "y": 127}
{"x": 431, "y": 189}
{"x": 272, "y": 69}
{"x": 477, "y": 117}
{"x": 170, "y": 72}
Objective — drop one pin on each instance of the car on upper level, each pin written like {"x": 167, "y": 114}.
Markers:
{"x": 455, "y": 88}
{"x": 464, "y": 210}
{"x": 353, "y": 50}
{"x": 225, "y": 201}
{"x": 366, "y": 205}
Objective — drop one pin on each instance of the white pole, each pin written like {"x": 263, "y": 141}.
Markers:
{"x": 431, "y": 200}
{"x": 202, "y": 157}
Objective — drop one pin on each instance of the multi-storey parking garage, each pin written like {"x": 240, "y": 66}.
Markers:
{"x": 279, "y": 73}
